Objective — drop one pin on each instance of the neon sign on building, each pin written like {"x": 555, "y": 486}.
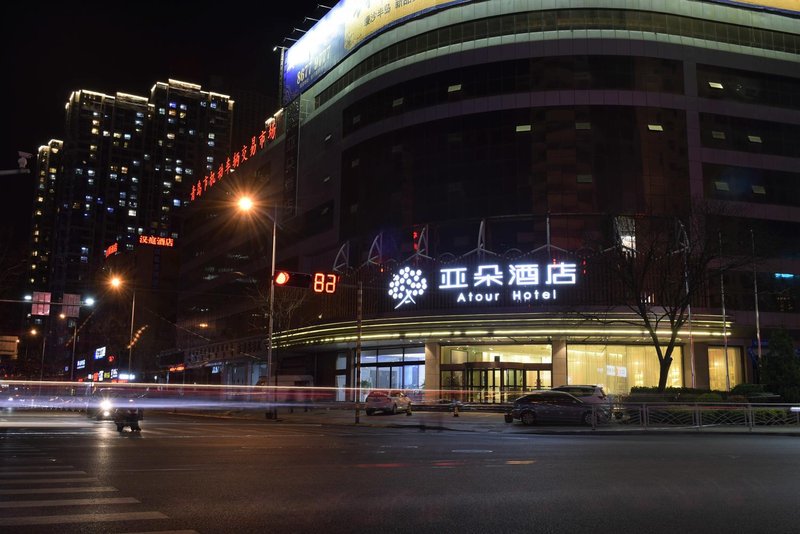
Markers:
{"x": 257, "y": 143}
{"x": 157, "y": 241}
{"x": 514, "y": 283}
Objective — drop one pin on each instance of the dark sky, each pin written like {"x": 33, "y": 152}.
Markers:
{"x": 50, "y": 49}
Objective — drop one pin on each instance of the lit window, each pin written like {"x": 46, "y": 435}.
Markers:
{"x": 176, "y": 202}
{"x": 95, "y": 131}
{"x": 655, "y": 127}
{"x": 626, "y": 233}
{"x": 212, "y": 136}
{"x": 162, "y": 111}
{"x": 213, "y": 105}
{"x": 170, "y": 135}
{"x": 211, "y": 143}
{"x": 754, "y": 138}
{"x": 722, "y": 186}
{"x": 715, "y": 85}
{"x": 454, "y": 88}
{"x": 759, "y": 190}
{"x": 173, "y": 105}
{"x": 131, "y": 213}
{"x": 210, "y": 159}
{"x": 718, "y": 135}
{"x": 523, "y": 128}
{"x": 397, "y": 102}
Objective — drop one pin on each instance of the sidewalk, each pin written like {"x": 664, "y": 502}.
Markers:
{"x": 467, "y": 421}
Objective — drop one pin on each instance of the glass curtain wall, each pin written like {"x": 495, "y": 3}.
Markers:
{"x": 393, "y": 368}
{"x": 618, "y": 368}
{"x": 717, "y": 369}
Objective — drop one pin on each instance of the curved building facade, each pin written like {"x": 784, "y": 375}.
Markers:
{"x": 470, "y": 169}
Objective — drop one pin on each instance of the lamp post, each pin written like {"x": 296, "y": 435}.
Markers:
{"x": 116, "y": 282}
{"x": 245, "y": 205}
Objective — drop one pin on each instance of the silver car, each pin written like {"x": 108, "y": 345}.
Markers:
{"x": 388, "y": 402}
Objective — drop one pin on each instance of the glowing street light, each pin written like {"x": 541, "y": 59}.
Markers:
{"x": 116, "y": 282}
{"x": 245, "y": 205}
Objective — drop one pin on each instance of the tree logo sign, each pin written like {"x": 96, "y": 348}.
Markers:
{"x": 407, "y": 284}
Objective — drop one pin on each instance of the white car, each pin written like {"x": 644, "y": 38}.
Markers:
{"x": 388, "y": 402}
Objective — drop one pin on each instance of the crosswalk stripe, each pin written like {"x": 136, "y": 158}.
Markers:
{"x": 41, "y": 473}
{"x": 78, "y": 518}
{"x": 43, "y": 480}
{"x": 36, "y": 491}
{"x": 69, "y": 502}
{"x": 36, "y": 467}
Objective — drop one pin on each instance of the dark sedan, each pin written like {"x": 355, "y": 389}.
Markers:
{"x": 548, "y": 407}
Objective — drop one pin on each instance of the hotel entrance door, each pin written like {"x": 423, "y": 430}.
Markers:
{"x": 495, "y": 385}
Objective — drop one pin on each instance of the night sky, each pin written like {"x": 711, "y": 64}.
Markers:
{"x": 51, "y": 49}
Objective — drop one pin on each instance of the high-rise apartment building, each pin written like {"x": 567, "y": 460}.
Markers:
{"x": 48, "y": 169}
{"x": 121, "y": 175}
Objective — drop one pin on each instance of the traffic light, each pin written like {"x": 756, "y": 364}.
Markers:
{"x": 290, "y": 279}
{"x": 320, "y": 282}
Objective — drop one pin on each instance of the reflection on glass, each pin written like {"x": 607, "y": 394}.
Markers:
{"x": 618, "y": 368}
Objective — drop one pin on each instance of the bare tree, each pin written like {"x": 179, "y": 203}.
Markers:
{"x": 660, "y": 267}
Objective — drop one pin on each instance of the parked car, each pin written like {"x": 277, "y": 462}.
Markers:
{"x": 388, "y": 402}
{"x": 550, "y": 407}
{"x": 590, "y": 394}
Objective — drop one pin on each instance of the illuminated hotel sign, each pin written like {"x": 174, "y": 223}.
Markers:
{"x": 515, "y": 283}
{"x": 346, "y": 26}
{"x": 157, "y": 241}
{"x": 100, "y": 353}
{"x": 257, "y": 143}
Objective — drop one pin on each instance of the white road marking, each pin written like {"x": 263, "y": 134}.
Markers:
{"x": 37, "y": 491}
{"x": 42, "y": 481}
{"x": 69, "y": 502}
{"x": 78, "y": 518}
{"x": 472, "y": 451}
{"x": 42, "y": 473}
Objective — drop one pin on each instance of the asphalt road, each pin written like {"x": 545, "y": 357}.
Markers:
{"x": 63, "y": 473}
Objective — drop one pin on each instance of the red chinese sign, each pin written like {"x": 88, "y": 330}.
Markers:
{"x": 112, "y": 249}
{"x": 157, "y": 241}
{"x": 236, "y": 159}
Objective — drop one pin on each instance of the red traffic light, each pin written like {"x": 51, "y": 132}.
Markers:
{"x": 290, "y": 279}
{"x": 282, "y": 278}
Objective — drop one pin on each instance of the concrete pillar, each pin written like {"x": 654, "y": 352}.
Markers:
{"x": 559, "y": 348}
{"x": 432, "y": 374}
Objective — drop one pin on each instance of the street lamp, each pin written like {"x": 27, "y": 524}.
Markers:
{"x": 88, "y": 302}
{"x": 116, "y": 282}
{"x": 246, "y": 205}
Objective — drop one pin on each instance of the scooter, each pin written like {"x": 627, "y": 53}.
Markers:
{"x": 128, "y": 417}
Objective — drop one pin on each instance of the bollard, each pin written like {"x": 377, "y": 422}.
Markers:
{"x": 455, "y": 410}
